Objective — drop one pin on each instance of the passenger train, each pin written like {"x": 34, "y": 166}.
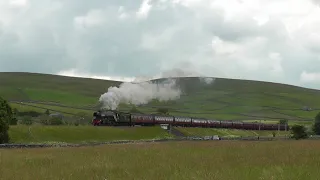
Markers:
{"x": 116, "y": 118}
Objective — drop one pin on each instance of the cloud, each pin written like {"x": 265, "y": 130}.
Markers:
{"x": 74, "y": 73}
{"x": 259, "y": 40}
{"x": 307, "y": 77}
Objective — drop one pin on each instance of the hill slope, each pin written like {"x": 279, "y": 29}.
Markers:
{"x": 225, "y": 99}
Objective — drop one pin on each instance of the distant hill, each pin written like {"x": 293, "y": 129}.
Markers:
{"x": 224, "y": 99}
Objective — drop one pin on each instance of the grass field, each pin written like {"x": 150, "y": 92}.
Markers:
{"x": 81, "y": 134}
{"x": 228, "y": 132}
{"x": 288, "y": 160}
{"x": 86, "y": 134}
{"x": 225, "y": 99}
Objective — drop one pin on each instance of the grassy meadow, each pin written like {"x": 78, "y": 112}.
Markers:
{"x": 228, "y": 132}
{"x": 232, "y": 160}
{"x": 81, "y": 134}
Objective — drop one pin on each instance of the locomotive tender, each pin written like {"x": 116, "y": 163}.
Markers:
{"x": 116, "y": 118}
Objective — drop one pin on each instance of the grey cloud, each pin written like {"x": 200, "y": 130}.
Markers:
{"x": 46, "y": 38}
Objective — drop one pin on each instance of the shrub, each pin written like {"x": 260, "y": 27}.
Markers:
{"x": 316, "y": 125}
{"x": 299, "y": 132}
{"x": 6, "y": 116}
{"x": 26, "y": 120}
{"x": 55, "y": 121}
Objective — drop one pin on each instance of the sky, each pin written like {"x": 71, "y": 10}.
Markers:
{"x": 266, "y": 40}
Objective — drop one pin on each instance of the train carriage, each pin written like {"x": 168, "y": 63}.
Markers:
{"x": 182, "y": 121}
{"x": 248, "y": 125}
{"x": 139, "y": 119}
{"x": 213, "y": 123}
{"x": 256, "y": 126}
{"x": 196, "y": 122}
{"x": 237, "y": 124}
{"x": 163, "y": 119}
{"x": 268, "y": 127}
{"x": 226, "y": 124}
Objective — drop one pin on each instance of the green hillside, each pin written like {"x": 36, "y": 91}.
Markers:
{"x": 225, "y": 99}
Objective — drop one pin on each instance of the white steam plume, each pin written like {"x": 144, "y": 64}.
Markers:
{"x": 139, "y": 93}
{"x": 142, "y": 91}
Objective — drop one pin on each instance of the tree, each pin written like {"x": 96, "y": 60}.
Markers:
{"x": 299, "y": 132}
{"x": 283, "y": 121}
{"x": 14, "y": 120}
{"x": 4, "y": 128}
{"x": 47, "y": 112}
{"x": 6, "y": 116}
{"x": 15, "y": 111}
{"x": 316, "y": 125}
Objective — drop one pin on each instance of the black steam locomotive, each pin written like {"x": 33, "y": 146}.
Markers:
{"x": 116, "y": 118}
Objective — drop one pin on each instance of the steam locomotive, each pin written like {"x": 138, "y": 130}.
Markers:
{"x": 116, "y": 118}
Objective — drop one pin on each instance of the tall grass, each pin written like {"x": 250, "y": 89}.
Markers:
{"x": 288, "y": 160}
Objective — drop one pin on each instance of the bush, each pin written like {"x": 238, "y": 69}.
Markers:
{"x": 4, "y": 128}
{"x": 316, "y": 125}
{"x": 29, "y": 113}
{"x": 55, "y": 121}
{"x": 283, "y": 121}
{"x": 26, "y": 120}
{"x": 299, "y": 132}
{"x": 47, "y": 112}
{"x": 14, "y": 121}
{"x": 6, "y": 116}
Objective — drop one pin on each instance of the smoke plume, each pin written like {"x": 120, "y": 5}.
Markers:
{"x": 139, "y": 93}
{"x": 142, "y": 90}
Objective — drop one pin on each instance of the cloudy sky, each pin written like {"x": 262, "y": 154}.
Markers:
{"x": 268, "y": 40}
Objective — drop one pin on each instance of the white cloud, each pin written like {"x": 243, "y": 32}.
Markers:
{"x": 91, "y": 19}
{"x": 144, "y": 9}
{"x": 307, "y": 77}
{"x": 18, "y": 3}
{"x": 74, "y": 73}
